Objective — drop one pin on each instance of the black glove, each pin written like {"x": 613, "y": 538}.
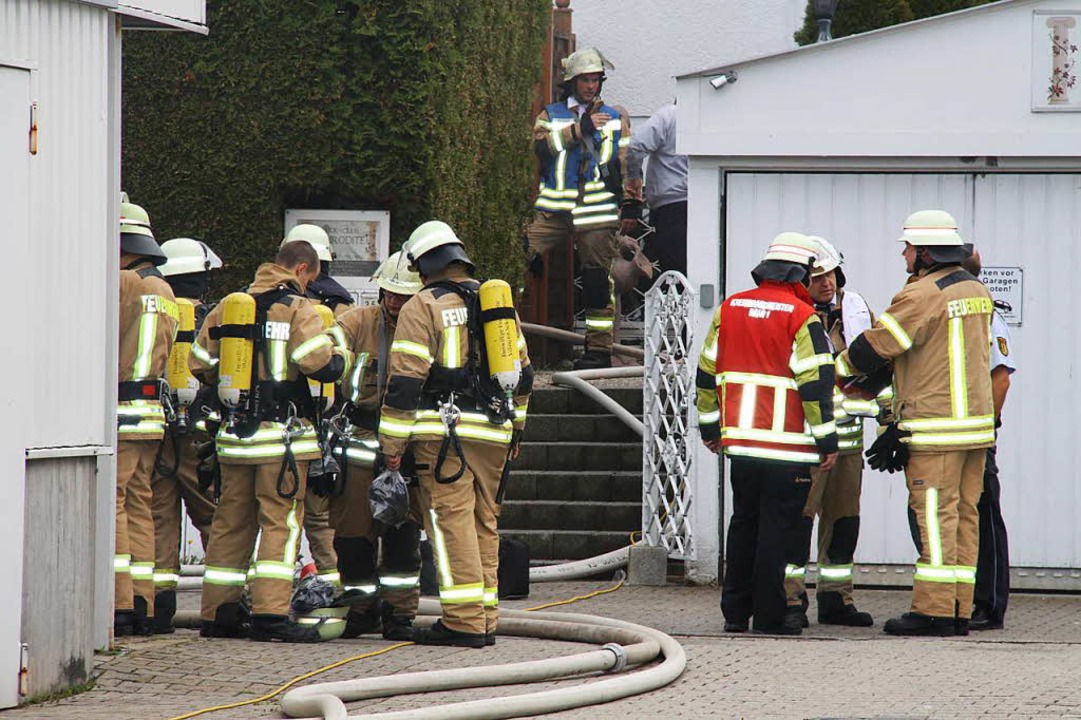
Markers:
{"x": 586, "y": 124}
{"x": 207, "y": 471}
{"x": 888, "y": 452}
{"x": 873, "y": 383}
{"x": 630, "y": 209}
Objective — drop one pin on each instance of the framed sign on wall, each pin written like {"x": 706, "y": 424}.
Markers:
{"x": 360, "y": 241}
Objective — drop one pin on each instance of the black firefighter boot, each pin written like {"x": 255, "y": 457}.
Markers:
{"x": 142, "y": 624}
{"x": 363, "y": 622}
{"x": 231, "y": 620}
{"x": 593, "y": 360}
{"x": 270, "y": 628}
{"x": 396, "y": 627}
{"x": 440, "y": 634}
{"x": 832, "y": 610}
{"x": 164, "y": 612}
{"x": 920, "y": 625}
{"x": 123, "y": 623}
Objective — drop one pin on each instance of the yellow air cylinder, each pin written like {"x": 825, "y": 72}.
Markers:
{"x": 500, "y": 334}
{"x": 318, "y": 389}
{"x": 234, "y": 368}
{"x": 177, "y": 373}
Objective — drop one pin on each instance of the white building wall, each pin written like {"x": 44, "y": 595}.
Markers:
{"x": 65, "y": 378}
{"x": 651, "y": 42}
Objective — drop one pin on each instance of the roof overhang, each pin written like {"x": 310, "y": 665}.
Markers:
{"x": 187, "y": 15}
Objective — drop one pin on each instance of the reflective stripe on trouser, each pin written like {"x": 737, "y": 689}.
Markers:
{"x": 460, "y": 519}
{"x": 168, "y": 514}
{"x": 320, "y": 536}
{"x": 835, "y": 499}
{"x": 250, "y": 504}
{"x": 597, "y": 248}
{"x": 351, "y": 519}
{"x": 943, "y": 489}
{"x": 134, "y": 575}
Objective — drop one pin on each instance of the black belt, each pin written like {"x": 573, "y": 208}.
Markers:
{"x": 366, "y": 419}
{"x": 144, "y": 390}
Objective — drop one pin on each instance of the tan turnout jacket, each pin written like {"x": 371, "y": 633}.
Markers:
{"x": 937, "y": 333}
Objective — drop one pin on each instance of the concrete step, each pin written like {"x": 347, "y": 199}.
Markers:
{"x": 594, "y": 485}
{"x": 578, "y": 426}
{"x": 580, "y": 456}
{"x": 568, "y": 544}
{"x": 562, "y": 401}
{"x": 601, "y": 516}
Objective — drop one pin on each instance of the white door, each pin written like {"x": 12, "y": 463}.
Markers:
{"x": 15, "y": 211}
{"x": 862, "y": 215}
{"x": 1034, "y": 222}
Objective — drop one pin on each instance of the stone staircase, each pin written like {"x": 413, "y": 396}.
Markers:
{"x": 576, "y": 489}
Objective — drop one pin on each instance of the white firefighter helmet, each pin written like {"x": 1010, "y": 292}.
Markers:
{"x": 792, "y": 247}
{"x": 188, "y": 256}
{"x": 136, "y": 236}
{"x": 828, "y": 258}
{"x": 395, "y": 276}
{"x": 588, "y": 60}
{"x": 931, "y": 228}
{"x": 433, "y": 246}
{"x": 313, "y": 235}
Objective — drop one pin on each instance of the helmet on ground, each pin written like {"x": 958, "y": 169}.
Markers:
{"x": 829, "y": 258}
{"x": 136, "y": 237}
{"x": 395, "y": 276}
{"x": 935, "y": 230}
{"x": 588, "y": 60}
{"x": 313, "y": 235}
{"x": 433, "y": 246}
{"x": 188, "y": 256}
{"x": 329, "y": 622}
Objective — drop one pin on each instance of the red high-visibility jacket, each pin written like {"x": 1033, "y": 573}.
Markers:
{"x": 766, "y": 376}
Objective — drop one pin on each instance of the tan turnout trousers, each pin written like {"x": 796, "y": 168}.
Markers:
{"x": 320, "y": 536}
{"x": 834, "y": 495}
{"x": 597, "y": 248}
{"x": 396, "y": 580}
{"x": 250, "y": 501}
{"x": 134, "y": 563}
{"x": 943, "y": 489}
{"x": 166, "y": 508}
{"x": 460, "y": 519}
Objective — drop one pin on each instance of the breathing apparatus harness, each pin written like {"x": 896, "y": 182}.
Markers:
{"x": 473, "y": 382}
{"x": 281, "y": 401}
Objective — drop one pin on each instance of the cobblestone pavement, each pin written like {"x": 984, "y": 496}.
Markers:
{"x": 1029, "y": 670}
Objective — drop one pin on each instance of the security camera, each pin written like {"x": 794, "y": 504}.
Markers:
{"x": 721, "y": 80}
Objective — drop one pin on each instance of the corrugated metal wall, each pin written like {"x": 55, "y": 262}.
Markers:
{"x": 68, "y": 43}
{"x": 1030, "y": 221}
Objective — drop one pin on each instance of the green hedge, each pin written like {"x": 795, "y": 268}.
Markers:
{"x": 858, "y": 16}
{"x": 421, "y": 108}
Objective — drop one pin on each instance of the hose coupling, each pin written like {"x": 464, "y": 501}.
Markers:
{"x": 621, "y": 657}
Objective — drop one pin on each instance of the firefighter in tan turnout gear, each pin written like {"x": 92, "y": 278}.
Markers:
{"x": 936, "y": 332}
{"x": 176, "y": 475}
{"x": 835, "y": 495}
{"x": 379, "y": 596}
{"x": 256, "y": 347}
{"x": 148, "y": 324}
{"x": 323, "y": 290}
{"x": 462, "y": 423}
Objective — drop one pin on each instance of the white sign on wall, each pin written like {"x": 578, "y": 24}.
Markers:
{"x": 1056, "y": 61}
{"x": 360, "y": 241}
{"x": 1006, "y": 284}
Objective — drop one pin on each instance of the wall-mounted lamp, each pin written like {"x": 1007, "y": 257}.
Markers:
{"x": 824, "y": 10}
{"x": 721, "y": 80}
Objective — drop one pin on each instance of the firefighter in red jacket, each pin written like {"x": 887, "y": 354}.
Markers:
{"x": 765, "y": 397}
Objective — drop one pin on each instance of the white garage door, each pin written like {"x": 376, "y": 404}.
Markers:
{"x": 1027, "y": 221}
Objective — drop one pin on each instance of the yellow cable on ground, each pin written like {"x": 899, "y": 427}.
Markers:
{"x": 313, "y": 673}
{"x": 291, "y": 683}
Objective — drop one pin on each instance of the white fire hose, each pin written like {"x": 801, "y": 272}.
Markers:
{"x": 625, "y": 645}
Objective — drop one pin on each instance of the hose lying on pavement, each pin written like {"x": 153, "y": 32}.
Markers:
{"x": 626, "y": 644}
